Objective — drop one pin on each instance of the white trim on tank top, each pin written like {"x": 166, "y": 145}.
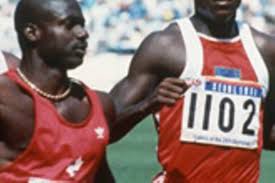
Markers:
{"x": 194, "y": 52}
{"x": 255, "y": 57}
{"x": 219, "y": 40}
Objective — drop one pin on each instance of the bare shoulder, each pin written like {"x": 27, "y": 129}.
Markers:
{"x": 11, "y": 59}
{"x": 11, "y": 98}
{"x": 161, "y": 52}
{"x": 108, "y": 105}
{"x": 6, "y": 85}
{"x": 9, "y": 90}
{"x": 169, "y": 37}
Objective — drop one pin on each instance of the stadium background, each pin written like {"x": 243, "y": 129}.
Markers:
{"x": 116, "y": 28}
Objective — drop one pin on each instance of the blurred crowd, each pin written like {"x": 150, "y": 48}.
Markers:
{"x": 120, "y": 25}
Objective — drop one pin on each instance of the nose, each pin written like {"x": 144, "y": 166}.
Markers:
{"x": 81, "y": 32}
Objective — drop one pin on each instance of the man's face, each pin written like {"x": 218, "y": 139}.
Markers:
{"x": 64, "y": 39}
{"x": 217, "y": 11}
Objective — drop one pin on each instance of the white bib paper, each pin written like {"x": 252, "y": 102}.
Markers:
{"x": 222, "y": 112}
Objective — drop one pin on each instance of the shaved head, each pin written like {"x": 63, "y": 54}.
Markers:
{"x": 38, "y": 12}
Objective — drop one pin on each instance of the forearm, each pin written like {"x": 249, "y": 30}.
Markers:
{"x": 129, "y": 113}
{"x": 128, "y": 119}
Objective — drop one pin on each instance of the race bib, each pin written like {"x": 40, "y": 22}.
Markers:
{"x": 222, "y": 112}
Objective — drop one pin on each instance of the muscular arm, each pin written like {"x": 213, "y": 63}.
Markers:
{"x": 144, "y": 89}
{"x": 266, "y": 45}
{"x": 146, "y": 71}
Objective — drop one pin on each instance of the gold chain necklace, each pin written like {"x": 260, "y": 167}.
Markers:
{"x": 41, "y": 92}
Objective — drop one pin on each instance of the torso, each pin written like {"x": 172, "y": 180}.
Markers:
{"x": 18, "y": 113}
{"x": 175, "y": 165}
{"x": 173, "y": 61}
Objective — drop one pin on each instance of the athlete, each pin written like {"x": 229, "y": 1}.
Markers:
{"x": 9, "y": 61}
{"x": 215, "y": 131}
{"x": 53, "y": 128}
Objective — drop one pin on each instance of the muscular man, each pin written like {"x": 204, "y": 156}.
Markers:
{"x": 53, "y": 128}
{"x": 215, "y": 131}
{"x": 9, "y": 61}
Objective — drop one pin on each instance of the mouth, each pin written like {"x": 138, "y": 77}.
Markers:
{"x": 80, "y": 52}
{"x": 223, "y": 6}
{"x": 223, "y": 3}
{"x": 80, "y": 49}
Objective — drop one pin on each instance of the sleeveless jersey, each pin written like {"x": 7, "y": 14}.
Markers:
{"x": 214, "y": 133}
{"x": 59, "y": 151}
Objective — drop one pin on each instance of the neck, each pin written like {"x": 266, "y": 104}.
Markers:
{"x": 225, "y": 29}
{"x": 52, "y": 80}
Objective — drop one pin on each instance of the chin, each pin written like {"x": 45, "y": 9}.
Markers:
{"x": 222, "y": 18}
{"x": 73, "y": 63}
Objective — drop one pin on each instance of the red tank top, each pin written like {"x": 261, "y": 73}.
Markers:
{"x": 59, "y": 151}
{"x": 219, "y": 138}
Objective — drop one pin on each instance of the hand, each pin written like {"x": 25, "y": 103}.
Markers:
{"x": 168, "y": 92}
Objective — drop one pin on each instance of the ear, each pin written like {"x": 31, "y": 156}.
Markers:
{"x": 32, "y": 32}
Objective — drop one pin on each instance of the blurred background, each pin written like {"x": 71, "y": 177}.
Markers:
{"x": 120, "y": 25}
{"x": 116, "y": 29}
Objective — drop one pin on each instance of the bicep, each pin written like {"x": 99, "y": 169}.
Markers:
{"x": 143, "y": 74}
{"x": 133, "y": 89}
{"x": 155, "y": 59}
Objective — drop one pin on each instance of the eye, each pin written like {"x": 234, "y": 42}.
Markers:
{"x": 70, "y": 23}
